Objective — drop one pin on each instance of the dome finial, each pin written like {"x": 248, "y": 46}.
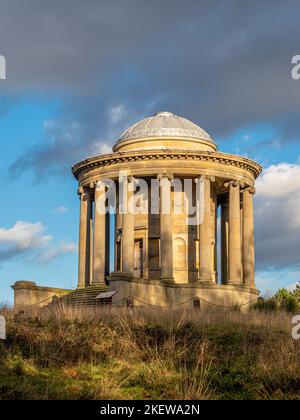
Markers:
{"x": 164, "y": 113}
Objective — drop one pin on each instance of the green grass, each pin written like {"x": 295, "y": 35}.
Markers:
{"x": 148, "y": 354}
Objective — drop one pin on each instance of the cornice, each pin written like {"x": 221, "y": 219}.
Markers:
{"x": 126, "y": 157}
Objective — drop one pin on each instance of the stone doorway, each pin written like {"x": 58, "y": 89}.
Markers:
{"x": 138, "y": 258}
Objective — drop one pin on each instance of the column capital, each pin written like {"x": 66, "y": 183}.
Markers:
{"x": 129, "y": 179}
{"x": 82, "y": 192}
{"x": 208, "y": 177}
{"x": 165, "y": 175}
{"x": 99, "y": 185}
{"x": 250, "y": 190}
{"x": 234, "y": 183}
{"x": 126, "y": 175}
{"x": 200, "y": 178}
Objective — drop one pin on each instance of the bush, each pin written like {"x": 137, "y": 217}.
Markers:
{"x": 282, "y": 300}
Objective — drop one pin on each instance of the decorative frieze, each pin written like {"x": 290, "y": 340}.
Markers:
{"x": 215, "y": 157}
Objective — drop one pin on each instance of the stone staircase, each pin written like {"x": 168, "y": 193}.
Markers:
{"x": 82, "y": 297}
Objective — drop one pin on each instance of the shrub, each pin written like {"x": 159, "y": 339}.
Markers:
{"x": 282, "y": 300}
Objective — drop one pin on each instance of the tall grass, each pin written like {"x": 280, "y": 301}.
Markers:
{"x": 117, "y": 353}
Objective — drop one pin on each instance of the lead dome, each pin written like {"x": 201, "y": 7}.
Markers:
{"x": 165, "y": 131}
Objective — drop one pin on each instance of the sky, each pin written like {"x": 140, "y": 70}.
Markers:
{"x": 79, "y": 73}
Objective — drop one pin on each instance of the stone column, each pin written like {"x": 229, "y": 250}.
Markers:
{"x": 224, "y": 240}
{"x": 91, "y": 238}
{"x": 99, "y": 234}
{"x": 205, "y": 237}
{"x": 107, "y": 244}
{"x": 84, "y": 238}
{"x": 128, "y": 226}
{"x": 213, "y": 213}
{"x": 235, "y": 247}
{"x": 166, "y": 229}
{"x": 248, "y": 237}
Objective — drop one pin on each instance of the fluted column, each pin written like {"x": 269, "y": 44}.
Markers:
{"x": 224, "y": 240}
{"x": 128, "y": 226}
{"x": 99, "y": 234}
{"x": 166, "y": 229}
{"x": 84, "y": 238}
{"x": 205, "y": 235}
{"x": 248, "y": 237}
{"x": 235, "y": 247}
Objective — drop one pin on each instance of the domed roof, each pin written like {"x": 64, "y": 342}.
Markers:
{"x": 164, "y": 124}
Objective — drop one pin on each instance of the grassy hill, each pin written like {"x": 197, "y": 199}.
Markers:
{"x": 148, "y": 354}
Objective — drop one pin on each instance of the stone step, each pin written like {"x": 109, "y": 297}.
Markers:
{"x": 82, "y": 297}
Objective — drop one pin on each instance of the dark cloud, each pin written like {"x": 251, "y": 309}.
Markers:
{"x": 224, "y": 64}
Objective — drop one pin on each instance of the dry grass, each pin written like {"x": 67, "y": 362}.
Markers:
{"x": 79, "y": 353}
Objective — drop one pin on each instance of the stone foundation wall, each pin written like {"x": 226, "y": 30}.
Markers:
{"x": 153, "y": 292}
{"x": 27, "y": 293}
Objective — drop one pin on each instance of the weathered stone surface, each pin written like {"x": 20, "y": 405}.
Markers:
{"x": 27, "y": 293}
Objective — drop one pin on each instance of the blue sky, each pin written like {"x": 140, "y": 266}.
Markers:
{"x": 52, "y": 202}
{"x": 76, "y": 80}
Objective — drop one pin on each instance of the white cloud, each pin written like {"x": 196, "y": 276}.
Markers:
{"x": 28, "y": 241}
{"x": 56, "y": 252}
{"x": 100, "y": 148}
{"x": 277, "y": 216}
{"x": 117, "y": 113}
{"x": 24, "y": 235}
{"x": 105, "y": 148}
{"x": 279, "y": 180}
{"x": 60, "y": 210}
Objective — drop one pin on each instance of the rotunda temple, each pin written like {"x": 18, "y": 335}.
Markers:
{"x": 168, "y": 257}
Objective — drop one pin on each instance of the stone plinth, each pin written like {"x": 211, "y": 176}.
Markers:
{"x": 154, "y": 292}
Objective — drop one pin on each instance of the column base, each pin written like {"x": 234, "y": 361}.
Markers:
{"x": 98, "y": 284}
{"x": 206, "y": 282}
{"x": 250, "y": 284}
{"x": 235, "y": 283}
{"x": 167, "y": 280}
{"x": 120, "y": 275}
{"x": 206, "y": 277}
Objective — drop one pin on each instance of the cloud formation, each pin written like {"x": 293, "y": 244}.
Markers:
{"x": 221, "y": 63}
{"x": 60, "y": 210}
{"x": 56, "y": 252}
{"x": 277, "y": 216}
{"x": 28, "y": 242}
{"x": 225, "y": 64}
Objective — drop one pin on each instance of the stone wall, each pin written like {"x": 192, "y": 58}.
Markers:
{"x": 153, "y": 292}
{"x": 27, "y": 293}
